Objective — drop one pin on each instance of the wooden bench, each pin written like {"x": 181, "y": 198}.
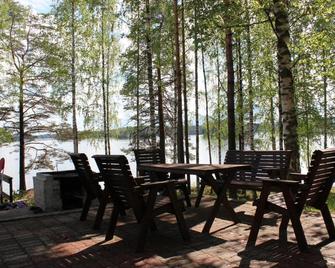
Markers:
{"x": 265, "y": 164}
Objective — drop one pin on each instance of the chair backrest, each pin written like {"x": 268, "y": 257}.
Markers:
{"x": 260, "y": 161}
{"x": 118, "y": 179}
{"x": 320, "y": 178}
{"x": 149, "y": 156}
{"x": 86, "y": 174}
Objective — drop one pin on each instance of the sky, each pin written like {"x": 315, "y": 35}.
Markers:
{"x": 40, "y": 6}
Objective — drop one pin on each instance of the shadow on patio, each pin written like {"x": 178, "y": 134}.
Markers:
{"x": 64, "y": 241}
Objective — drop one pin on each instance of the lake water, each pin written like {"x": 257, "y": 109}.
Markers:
{"x": 118, "y": 146}
{"x": 10, "y": 152}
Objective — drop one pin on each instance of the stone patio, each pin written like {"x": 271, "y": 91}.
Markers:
{"x": 64, "y": 241}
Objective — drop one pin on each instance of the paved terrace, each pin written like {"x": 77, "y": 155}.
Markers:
{"x": 64, "y": 241}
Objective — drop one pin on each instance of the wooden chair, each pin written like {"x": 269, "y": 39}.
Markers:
{"x": 155, "y": 156}
{"x": 306, "y": 190}
{"x": 90, "y": 181}
{"x": 7, "y": 179}
{"x": 127, "y": 193}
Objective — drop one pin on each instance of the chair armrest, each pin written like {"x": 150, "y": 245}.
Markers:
{"x": 97, "y": 176}
{"x": 280, "y": 182}
{"x": 6, "y": 178}
{"x": 158, "y": 184}
{"x": 175, "y": 176}
{"x": 297, "y": 177}
{"x": 275, "y": 173}
{"x": 179, "y": 181}
{"x": 140, "y": 180}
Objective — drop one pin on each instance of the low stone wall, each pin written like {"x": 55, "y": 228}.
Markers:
{"x": 50, "y": 189}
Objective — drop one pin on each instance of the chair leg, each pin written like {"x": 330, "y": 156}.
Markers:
{"x": 11, "y": 191}
{"x": 100, "y": 213}
{"x": 294, "y": 216}
{"x": 186, "y": 195}
{"x": 327, "y": 218}
{"x": 283, "y": 228}
{"x": 200, "y": 193}
{"x": 86, "y": 208}
{"x": 179, "y": 214}
{"x": 153, "y": 226}
{"x": 146, "y": 221}
{"x": 112, "y": 223}
{"x": 258, "y": 216}
{"x": 123, "y": 212}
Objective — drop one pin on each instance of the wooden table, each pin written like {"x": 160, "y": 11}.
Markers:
{"x": 212, "y": 175}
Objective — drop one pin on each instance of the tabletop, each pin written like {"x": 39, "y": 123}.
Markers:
{"x": 193, "y": 168}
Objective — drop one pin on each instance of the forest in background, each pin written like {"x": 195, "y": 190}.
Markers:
{"x": 260, "y": 73}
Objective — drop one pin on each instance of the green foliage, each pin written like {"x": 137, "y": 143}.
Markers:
{"x": 99, "y": 26}
{"x": 25, "y": 45}
{"x": 88, "y": 59}
{"x": 5, "y": 136}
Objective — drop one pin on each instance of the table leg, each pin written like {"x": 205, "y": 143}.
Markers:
{"x": 200, "y": 193}
{"x": 258, "y": 216}
{"x": 178, "y": 213}
{"x": 221, "y": 193}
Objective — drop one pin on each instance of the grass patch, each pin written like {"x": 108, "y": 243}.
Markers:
{"x": 26, "y": 196}
{"x": 241, "y": 195}
{"x": 331, "y": 200}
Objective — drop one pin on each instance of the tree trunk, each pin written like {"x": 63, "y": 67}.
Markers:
{"x": 250, "y": 86}
{"x": 150, "y": 75}
{"x": 325, "y": 104}
{"x": 180, "y": 134}
{"x": 21, "y": 137}
{"x": 240, "y": 97}
{"x": 273, "y": 131}
{"x": 219, "y": 104}
{"x": 187, "y": 153}
{"x": 175, "y": 119}
{"x": 280, "y": 118}
{"x": 161, "y": 114}
{"x": 230, "y": 91}
{"x": 272, "y": 116}
{"x": 289, "y": 116}
{"x": 73, "y": 81}
{"x": 103, "y": 81}
{"x": 206, "y": 105}
{"x": 138, "y": 82}
{"x": 160, "y": 102}
{"x": 196, "y": 88}
{"x": 110, "y": 42}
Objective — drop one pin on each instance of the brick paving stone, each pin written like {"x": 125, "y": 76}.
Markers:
{"x": 60, "y": 241}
